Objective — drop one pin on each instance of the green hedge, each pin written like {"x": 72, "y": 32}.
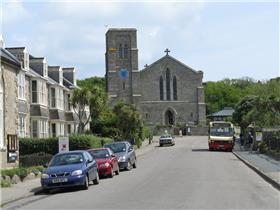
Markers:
{"x": 34, "y": 159}
{"x": 21, "y": 172}
{"x": 29, "y": 146}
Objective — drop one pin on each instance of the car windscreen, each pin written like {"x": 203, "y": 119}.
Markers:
{"x": 117, "y": 147}
{"x": 67, "y": 159}
{"x": 102, "y": 153}
{"x": 221, "y": 131}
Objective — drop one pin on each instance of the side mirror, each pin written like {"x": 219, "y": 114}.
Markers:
{"x": 89, "y": 160}
{"x": 130, "y": 149}
{"x": 46, "y": 165}
{"x": 113, "y": 155}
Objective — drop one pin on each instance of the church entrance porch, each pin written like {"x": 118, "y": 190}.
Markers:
{"x": 169, "y": 117}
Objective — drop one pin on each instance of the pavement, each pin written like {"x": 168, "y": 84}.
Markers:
{"x": 265, "y": 166}
{"x": 32, "y": 187}
{"x": 184, "y": 176}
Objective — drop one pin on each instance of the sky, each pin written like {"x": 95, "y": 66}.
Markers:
{"x": 224, "y": 39}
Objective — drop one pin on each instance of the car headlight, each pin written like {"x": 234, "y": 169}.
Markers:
{"x": 77, "y": 173}
{"x": 122, "y": 159}
{"x": 45, "y": 176}
{"x": 105, "y": 165}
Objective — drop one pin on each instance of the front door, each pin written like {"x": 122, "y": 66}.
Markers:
{"x": 169, "y": 118}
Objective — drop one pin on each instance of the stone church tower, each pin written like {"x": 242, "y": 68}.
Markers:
{"x": 167, "y": 92}
{"x": 122, "y": 74}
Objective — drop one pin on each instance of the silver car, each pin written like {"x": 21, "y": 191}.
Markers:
{"x": 125, "y": 153}
{"x": 166, "y": 139}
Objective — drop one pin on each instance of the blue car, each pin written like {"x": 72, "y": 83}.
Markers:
{"x": 69, "y": 169}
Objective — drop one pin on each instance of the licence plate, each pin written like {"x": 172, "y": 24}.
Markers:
{"x": 222, "y": 146}
{"x": 59, "y": 180}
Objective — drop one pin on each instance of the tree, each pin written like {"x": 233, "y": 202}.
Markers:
{"x": 243, "y": 107}
{"x": 81, "y": 99}
{"x": 128, "y": 122}
{"x": 92, "y": 82}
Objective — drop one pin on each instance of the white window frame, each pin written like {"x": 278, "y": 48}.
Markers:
{"x": 1, "y": 110}
{"x": 33, "y": 128}
{"x": 21, "y": 125}
{"x": 53, "y": 98}
{"x": 41, "y": 91}
{"x": 34, "y": 91}
{"x": 43, "y": 128}
{"x": 21, "y": 85}
{"x": 26, "y": 61}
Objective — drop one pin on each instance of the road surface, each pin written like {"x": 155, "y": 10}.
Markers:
{"x": 185, "y": 176}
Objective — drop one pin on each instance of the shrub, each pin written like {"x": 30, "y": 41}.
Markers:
{"x": 34, "y": 159}
{"x": 21, "y": 172}
{"x": 5, "y": 183}
{"x": 29, "y": 146}
{"x": 263, "y": 147}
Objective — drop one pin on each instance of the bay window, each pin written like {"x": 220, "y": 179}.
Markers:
{"x": 21, "y": 85}
{"x": 1, "y": 110}
{"x": 39, "y": 92}
{"x": 21, "y": 125}
{"x": 39, "y": 128}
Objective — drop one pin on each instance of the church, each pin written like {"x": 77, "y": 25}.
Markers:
{"x": 167, "y": 92}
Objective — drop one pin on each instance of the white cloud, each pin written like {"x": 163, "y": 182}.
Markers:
{"x": 84, "y": 10}
{"x": 14, "y": 12}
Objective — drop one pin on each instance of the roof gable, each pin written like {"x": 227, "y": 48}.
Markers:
{"x": 168, "y": 57}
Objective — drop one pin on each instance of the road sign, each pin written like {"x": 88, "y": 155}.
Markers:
{"x": 63, "y": 144}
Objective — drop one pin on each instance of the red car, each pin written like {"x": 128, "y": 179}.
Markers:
{"x": 106, "y": 160}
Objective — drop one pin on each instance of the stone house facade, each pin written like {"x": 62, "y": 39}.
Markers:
{"x": 166, "y": 92}
{"x": 35, "y": 100}
{"x": 9, "y": 108}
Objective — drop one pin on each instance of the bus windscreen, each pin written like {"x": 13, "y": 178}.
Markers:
{"x": 221, "y": 131}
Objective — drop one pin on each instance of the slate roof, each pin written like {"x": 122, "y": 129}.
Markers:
{"x": 227, "y": 111}
{"x": 171, "y": 58}
{"x": 8, "y": 57}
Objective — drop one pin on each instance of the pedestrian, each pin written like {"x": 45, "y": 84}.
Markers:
{"x": 241, "y": 139}
{"x": 250, "y": 141}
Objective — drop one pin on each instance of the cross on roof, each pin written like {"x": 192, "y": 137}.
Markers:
{"x": 167, "y": 51}
{"x": 146, "y": 65}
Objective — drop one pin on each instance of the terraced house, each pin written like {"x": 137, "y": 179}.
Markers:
{"x": 35, "y": 101}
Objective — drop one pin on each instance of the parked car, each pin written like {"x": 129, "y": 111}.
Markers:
{"x": 166, "y": 139}
{"x": 106, "y": 160}
{"x": 68, "y": 169}
{"x": 125, "y": 153}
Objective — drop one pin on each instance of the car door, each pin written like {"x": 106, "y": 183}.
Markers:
{"x": 114, "y": 159}
{"x": 131, "y": 153}
{"x": 90, "y": 166}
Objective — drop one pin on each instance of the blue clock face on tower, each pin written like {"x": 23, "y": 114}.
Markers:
{"x": 123, "y": 73}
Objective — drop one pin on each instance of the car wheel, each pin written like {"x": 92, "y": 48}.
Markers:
{"x": 128, "y": 168}
{"x": 160, "y": 145}
{"x": 96, "y": 180}
{"x": 86, "y": 183}
{"x": 210, "y": 149}
{"x": 117, "y": 171}
{"x": 135, "y": 164}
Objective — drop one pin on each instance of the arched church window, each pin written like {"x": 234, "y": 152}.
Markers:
{"x": 161, "y": 88}
{"x": 125, "y": 51}
{"x": 1, "y": 110}
{"x": 175, "y": 88}
{"x": 168, "y": 84}
{"x": 121, "y": 51}
{"x": 123, "y": 85}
